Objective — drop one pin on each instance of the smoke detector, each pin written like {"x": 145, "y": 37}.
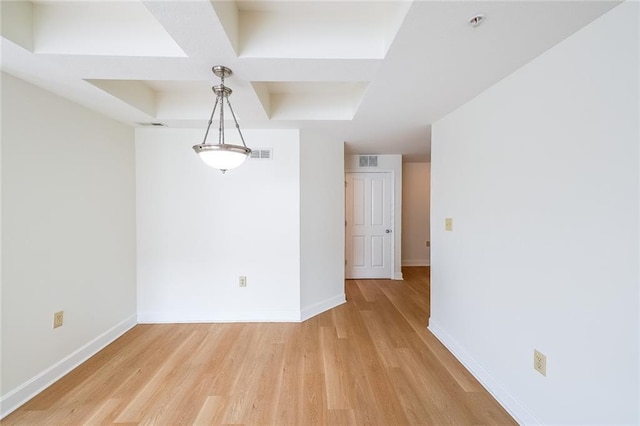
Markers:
{"x": 477, "y": 20}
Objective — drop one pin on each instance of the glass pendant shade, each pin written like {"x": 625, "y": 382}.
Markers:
{"x": 222, "y": 156}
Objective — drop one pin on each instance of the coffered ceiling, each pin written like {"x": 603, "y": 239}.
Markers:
{"x": 374, "y": 74}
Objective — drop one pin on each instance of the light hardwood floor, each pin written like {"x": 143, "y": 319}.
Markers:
{"x": 369, "y": 361}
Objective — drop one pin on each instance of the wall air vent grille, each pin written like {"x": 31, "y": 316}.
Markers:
{"x": 368, "y": 161}
{"x": 154, "y": 124}
{"x": 262, "y": 153}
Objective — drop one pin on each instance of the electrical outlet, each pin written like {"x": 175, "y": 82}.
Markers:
{"x": 540, "y": 362}
{"x": 243, "y": 281}
{"x": 448, "y": 224}
{"x": 58, "y": 319}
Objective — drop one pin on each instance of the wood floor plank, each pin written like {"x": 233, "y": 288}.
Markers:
{"x": 314, "y": 396}
{"x": 385, "y": 349}
{"x": 413, "y": 313}
{"x": 369, "y": 361}
{"x": 289, "y": 407}
{"x": 335, "y": 369}
{"x": 341, "y": 417}
{"x": 164, "y": 383}
{"x": 210, "y": 411}
{"x": 103, "y": 414}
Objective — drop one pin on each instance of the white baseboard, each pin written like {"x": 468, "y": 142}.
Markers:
{"x": 23, "y": 393}
{"x": 398, "y": 276}
{"x": 519, "y": 412}
{"x": 219, "y": 316}
{"x": 415, "y": 262}
{"x": 235, "y": 316}
{"x": 320, "y": 307}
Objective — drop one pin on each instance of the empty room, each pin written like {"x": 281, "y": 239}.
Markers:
{"x": 320, "y": 212}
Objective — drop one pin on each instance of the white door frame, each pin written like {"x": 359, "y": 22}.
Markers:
{"x": 392, "y": 173}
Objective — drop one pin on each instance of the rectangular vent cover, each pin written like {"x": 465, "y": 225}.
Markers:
{"x": 262, "y": 153}
{"x": 368, "y": 161}
{"x": 153, "y": 124}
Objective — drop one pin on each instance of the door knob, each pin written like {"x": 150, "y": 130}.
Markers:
{"x": 388, "y": 231}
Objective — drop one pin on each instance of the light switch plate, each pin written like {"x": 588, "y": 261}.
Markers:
{"x": 448, "y": 224}
{"x": 58, "y": 319}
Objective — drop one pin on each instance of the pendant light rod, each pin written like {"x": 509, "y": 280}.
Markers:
{"x": 221, "y": 125}
{"x": 210, "y": 121}
{"x": 236, "y": 121}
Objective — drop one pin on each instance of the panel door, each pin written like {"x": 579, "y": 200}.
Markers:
{"x": 368, "y": 225}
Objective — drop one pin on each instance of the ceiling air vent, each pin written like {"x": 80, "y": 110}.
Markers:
{"x": 153, "y": 124}
{"x": 262, "y": 153}
{"x": 368, "y": 161}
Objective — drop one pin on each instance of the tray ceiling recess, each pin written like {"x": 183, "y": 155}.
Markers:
{"x": 323, "y": 29}
{"x": 89, "y": 28}
{"x": 310, "y": 100}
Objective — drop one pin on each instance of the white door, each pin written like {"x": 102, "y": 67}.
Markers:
{"x": 369, "y": 225}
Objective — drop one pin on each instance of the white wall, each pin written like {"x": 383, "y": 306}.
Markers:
{"x": 540, "y": 175}
{"x": 321, "y": 224}
{"x": 416, "y": 187}
{"x": 199, "y": 230}
{"x": 68, "y": 237}
{"x": 393, "y": 164}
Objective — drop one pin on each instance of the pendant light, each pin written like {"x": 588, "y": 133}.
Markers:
{"x": 221, "y": 155}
